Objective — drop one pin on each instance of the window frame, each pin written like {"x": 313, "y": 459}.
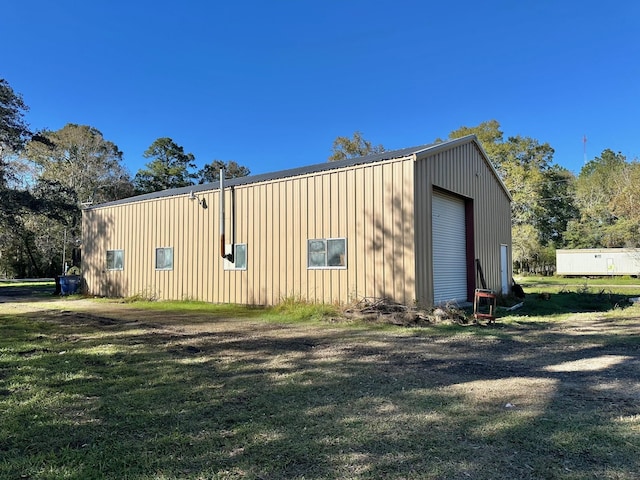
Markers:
{"x": 163, "y": 269}
{"x": 326, "y": 265}
{"x": 113, "y": 267}
{"x": 231, "y": 266}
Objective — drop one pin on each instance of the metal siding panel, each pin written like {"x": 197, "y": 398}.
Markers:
{"x": 225, "y": 277}
{"x": 144, "y": 251}
{"x": 174, "y": 283}
{"x": 335, "y": 203}
{"x": 352, "y": 222}
{"x": 378, "y": 243}
{"x": 261, "y": 271}
{"x": 215, "y": 266}
{"x": 115, "y": 278}
{"x": 398, "y": 253}
{"x": 243, "y": 237}
{"x": 196, "y": 260}
{"x": 312, "y": 220}
{"x": 423, "y": 239}
{"x": 314, "y": 232}
{"x": 208, "y": 249}
{"x": 394, "y": 207}
{"x": 90, "y": 247}
{"x": 294, "y": 230}
{"x": 121, "y": 279}
{"x": 183, "y": 273}
{"x": 260, "y": 250}
{"x": 273, "y": 229}
{"x": 325, "y": 275}
{"x": 161, "y": 211}
{"x": 125, "y": 223}
{"x": 267, "y": 281}
{"x": 172, "y": 215}
{"x": 190, "y": 238}
{"x": 172, "y": 239}
{"x": 301, "y": 238}
{"x": 239, "y": 237}
{"x": 142, "y": 266}
{"x": 398, "y": 273}
{"x": 143, "y": 255}
{"x": 140, "y": 224}
{"x": 186, "y": 274}
{"x": 409, "y": 225}
{"x": 259, "y": 235}
{"x": 148, "y": 278}
{"x": 369, "y": 239}
{"x": 159, "y": 282}
{"x": 200, "y": 248}
{"x": 357, "y": 240}
{"x": 344, "y": 201}
{"x": 244, "y": 215}
{"x": 288, "y": 245}
{"x": 385, "y": 232}
{"x": 252, "y": 245}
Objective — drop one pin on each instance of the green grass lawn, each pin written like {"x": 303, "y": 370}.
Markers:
{"x": 558, "y": 296}
{"x": 618, "y": 281}
{"x": 95, "y": 390}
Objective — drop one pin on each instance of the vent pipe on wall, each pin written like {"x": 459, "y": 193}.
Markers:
{"x": 222, "y": 252}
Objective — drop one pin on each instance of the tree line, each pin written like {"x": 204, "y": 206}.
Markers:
{"x": 46, "y": 177}
{"x": 553, "y": 208}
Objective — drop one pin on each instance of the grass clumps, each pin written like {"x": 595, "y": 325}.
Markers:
{"x": 115, "y": 391}
{"x": 298, "y": 309}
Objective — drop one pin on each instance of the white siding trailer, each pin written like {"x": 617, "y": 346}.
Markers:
{"x": 598, "y": 261}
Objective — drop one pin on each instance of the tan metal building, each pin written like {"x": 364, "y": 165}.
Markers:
{"x": 408, "y": 225}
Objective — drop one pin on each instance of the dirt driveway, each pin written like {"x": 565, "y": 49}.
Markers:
{"x": 590, "y": 355}
{"x": 585, "y": 370}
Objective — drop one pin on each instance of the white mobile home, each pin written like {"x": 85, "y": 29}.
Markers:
{"x": 408, "y": 225}
{"x": 598, "y": 261}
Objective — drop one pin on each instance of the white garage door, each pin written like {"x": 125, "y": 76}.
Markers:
{"x": 449, "y": 249}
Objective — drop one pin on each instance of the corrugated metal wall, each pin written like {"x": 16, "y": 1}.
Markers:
{"x": 370, "y": 205}
{"x": 373, "y": 206}
{"x": 462, "y": 170}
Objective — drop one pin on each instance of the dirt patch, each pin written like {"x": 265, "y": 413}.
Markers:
{"x": 518, "y": 399}
{"x": 587, "y": 349}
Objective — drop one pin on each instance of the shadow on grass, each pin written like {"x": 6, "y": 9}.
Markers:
{"x": 26, "y": 292}
{"x": 89, "y": 397}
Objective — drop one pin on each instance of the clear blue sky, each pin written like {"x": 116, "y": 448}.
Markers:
{"x": 271, "y": 83}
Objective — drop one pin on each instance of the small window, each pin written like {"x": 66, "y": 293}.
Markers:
{"x": 115, "y": 259}
{"x": 164, "y": 258}
{"x": 327, "y": 253}
{"x": 239, "y": 259}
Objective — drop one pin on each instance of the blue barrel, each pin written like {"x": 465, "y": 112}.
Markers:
{"x": 69, "y": 284}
